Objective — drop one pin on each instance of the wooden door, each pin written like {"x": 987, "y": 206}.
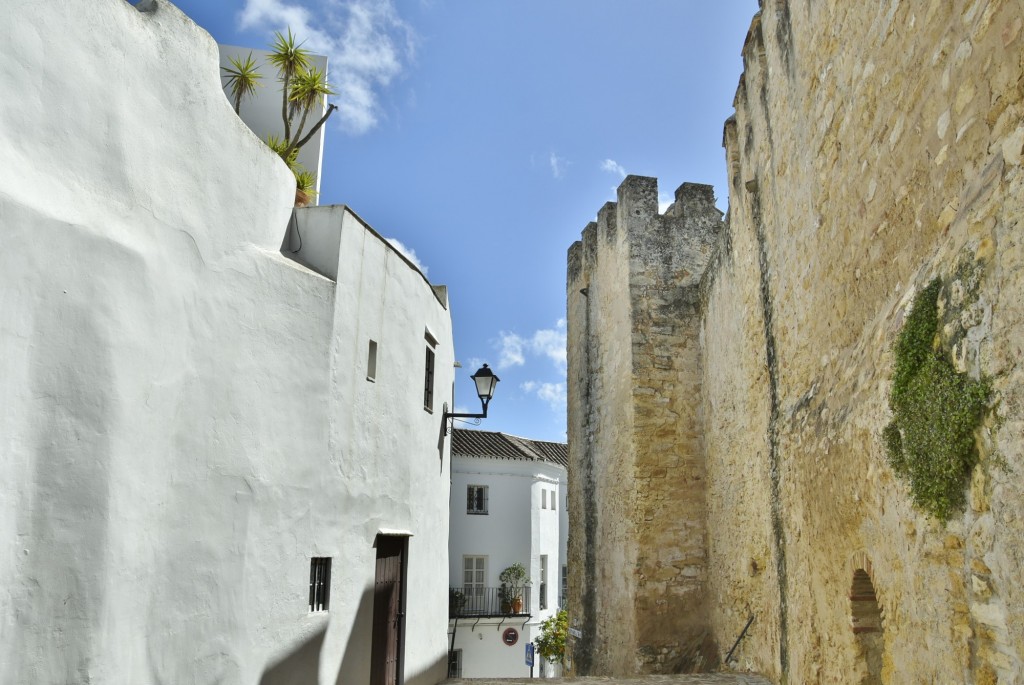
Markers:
{"x": 388, "y": 611}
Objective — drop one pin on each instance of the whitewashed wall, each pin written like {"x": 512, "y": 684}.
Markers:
{"x": 505, "y": 534}
{"x": 186, "y": 418}
{"x": 485, "y": 655}
{"x": 516, "y": 528}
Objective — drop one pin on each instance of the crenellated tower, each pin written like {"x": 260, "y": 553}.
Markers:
{"x": 638, "y": 548}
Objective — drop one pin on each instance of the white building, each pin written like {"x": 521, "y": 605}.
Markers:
{"x": 507, "y": 506}
{"x": 217, "y": 432}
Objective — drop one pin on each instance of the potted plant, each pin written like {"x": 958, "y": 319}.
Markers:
{"x": 456, "y": 601}
{"x": 513, "y": 580}
{"x": 305, "y": 187}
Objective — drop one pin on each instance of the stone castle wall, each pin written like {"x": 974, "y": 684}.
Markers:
{"x": 634, "y": 430}
{"x": 874, "y": 147}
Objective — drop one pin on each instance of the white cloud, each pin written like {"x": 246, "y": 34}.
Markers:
{"x": 409, "y": 253}
{"x": 365, "y": 42}
{"x": 558, "y": 165}
{"x": 611, "y": 166}
{"x": 546, "y": 342}
{"x": 552, "y": 393}
{"x": 510, "y": 350}
{"x": 550, "y": 342}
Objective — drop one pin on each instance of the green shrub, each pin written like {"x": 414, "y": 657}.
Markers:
{"x": 551, "y": 641}
{"x": 930, "y": 440}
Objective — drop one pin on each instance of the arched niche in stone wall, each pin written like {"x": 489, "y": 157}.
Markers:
{"x": 866, "y": 621}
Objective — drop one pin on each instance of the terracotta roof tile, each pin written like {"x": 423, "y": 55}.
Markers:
{"x": 474, "y": 443}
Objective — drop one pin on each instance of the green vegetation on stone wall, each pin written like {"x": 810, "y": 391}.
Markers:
{"x": 930, "y": 440}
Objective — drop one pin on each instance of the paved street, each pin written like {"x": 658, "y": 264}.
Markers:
{"x": 699, "y": 679}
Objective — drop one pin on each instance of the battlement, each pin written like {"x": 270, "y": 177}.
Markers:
{"x": 633, "y": 228}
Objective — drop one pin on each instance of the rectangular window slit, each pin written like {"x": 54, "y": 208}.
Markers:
{"x": 319, "y": 583}
{"x": 371, "y": 362}
{"x": 428, "y": 382}
{"x": 543, "y": 581}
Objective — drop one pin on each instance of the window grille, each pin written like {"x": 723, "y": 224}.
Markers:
{"x": 428, "y": 382}
{"x": 319, "y": 583}
{"x": 476, "y": 499}
{"x": 455, "y": 663}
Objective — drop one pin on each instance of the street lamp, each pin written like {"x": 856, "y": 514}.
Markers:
{"x": 485, "y": 381}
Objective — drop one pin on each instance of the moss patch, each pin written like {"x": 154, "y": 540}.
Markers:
{"x": 930, "y": 440}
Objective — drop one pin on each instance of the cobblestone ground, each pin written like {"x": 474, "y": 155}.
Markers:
{"x": 699, "y": 679}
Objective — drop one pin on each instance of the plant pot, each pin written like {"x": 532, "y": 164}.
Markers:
{"x": 302, "y": 198}
{"x": 517, "y": 605}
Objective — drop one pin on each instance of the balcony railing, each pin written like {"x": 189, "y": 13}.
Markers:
{"x": 474, "y": 601}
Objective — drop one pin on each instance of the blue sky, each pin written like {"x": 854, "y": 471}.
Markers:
{"x": 483, "y": 135}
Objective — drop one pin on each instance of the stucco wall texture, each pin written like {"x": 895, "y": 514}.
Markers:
{"x": 874, "y": 147}
{"x": 186, "y": 418}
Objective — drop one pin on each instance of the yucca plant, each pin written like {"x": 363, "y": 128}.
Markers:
{"x": 304, "y": 89}
{"x": 243, "y": 79}
{"x": 280, "y": 146}
{"x": 309, "y": 90}
{"x": 291, "y": 59}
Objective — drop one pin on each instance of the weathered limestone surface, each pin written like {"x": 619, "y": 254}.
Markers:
{"x": 875, "y": 146}
{"x": 634, "y": 431}
{"x": 699, "y": 679}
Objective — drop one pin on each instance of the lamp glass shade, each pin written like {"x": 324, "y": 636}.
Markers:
{"x": 485, "y": 382}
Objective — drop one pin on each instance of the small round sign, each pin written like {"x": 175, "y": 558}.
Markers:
{"x": 510, "y": 636}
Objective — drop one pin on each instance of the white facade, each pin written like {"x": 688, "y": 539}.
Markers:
{"x": 262, "y": 110}
{"x": 187, "y": 419}
{"x": 525, "y": 520}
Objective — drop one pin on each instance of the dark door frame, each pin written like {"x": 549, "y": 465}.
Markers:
{"x": 379, "y": 652}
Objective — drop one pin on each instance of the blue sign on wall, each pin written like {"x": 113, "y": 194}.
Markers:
{"x": 529, "y": 654}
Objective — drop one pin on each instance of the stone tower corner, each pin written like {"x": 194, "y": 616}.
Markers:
{"x": 635, "y": 451}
